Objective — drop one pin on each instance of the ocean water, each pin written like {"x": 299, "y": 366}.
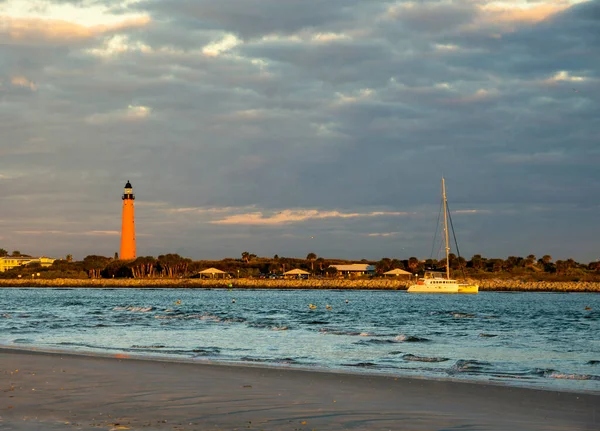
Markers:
{"x": 540, "y": 340}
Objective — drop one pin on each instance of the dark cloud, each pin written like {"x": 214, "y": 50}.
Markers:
{"x": 254, "y": 18}
{"x": 355, "y": 107}
{"x": 432, "y": 17}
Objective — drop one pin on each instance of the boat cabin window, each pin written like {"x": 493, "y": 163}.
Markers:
{"x": 433, "y": 274}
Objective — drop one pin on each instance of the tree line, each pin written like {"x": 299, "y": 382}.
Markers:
{"x": 249, "y": 264}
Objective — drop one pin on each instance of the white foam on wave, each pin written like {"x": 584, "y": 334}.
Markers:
{"x": 134, "y": 309}
{"x": 571, "y": 376}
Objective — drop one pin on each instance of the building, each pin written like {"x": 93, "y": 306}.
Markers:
{"x": 354, "y": 269}
{"x": 128, "y": 225}
{"x": 9, "y": 262}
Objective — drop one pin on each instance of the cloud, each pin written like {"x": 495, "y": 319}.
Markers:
{"x": 472, "y": 212}
{"x": 227, "y": 43}
{"x": 383, "y": 234}
{"x": 103, "y": 232}
{"x": 238, "y": 119}
{"x": 21, "y": 81}
{"x": 552, "y": 157}
{"x": 132, "y": 113}
{"x": 295, "y": 216}
{"x": 31, "y": 30}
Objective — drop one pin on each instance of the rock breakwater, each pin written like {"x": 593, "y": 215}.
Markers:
{"x": 357, "y": 284}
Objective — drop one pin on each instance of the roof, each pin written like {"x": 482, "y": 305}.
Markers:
{"x": 296, "y": 272}
{"x": 354, "y": 267}
{"x": 397, "y": 271}
{"x": 212, "y": 271}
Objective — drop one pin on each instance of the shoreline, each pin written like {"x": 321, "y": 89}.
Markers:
{"x": 70, "y": 391}
{"x": 23, "y": 349}
{"x": 503, "y": 285}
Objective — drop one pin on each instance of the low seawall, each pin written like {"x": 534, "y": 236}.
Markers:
{"x": 358, "y": 284}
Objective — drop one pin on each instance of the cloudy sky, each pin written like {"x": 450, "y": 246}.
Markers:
{"x": 295, "y": 126}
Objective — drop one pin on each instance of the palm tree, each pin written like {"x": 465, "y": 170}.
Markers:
{"x": 413, "y": 264}
{"x": 311, "y": 257}
{"x": 321, "y": 262}
{"x": 385, "y": 264}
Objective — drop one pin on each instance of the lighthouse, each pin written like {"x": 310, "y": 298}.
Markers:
{"x": 128, "y": 225}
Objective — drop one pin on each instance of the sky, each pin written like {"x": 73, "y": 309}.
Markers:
{"x": 300, "y": 126}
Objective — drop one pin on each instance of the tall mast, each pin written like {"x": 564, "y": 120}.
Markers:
{"x": 446, "y": 227}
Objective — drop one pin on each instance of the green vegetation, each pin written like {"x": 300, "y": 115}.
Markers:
{"x": 173, "y": 266}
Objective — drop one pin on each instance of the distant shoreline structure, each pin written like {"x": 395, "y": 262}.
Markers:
{"x": 504, "y": 285}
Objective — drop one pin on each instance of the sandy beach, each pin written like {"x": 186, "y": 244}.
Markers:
{"x": 61, "y": 391}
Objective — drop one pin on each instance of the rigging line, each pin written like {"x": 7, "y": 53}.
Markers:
{"x": 437, "y": 227}
{"x": 455, "y": 242}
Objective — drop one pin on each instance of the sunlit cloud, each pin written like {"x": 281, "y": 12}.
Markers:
{"x": 21, "y": 81}
{"x": 69, "y": 232}
{"x": 441, "y": 47}
{"x": 522, "y": 12}
{"x": 383, "y": 234}
{"x": 564, "y": 76}
{"x": 296, "y": 216}
{"x": 56, "y": 23}
{"x": 227, "y": 43}
{"x": 472, "y": 211}
{"x": 102, "y": 232}
{"x": 478, "y": 96}
{"x": 329, "y": 37}
{"x": 362, "y": 94}
{"x": 118, "y": 44}
{"x": 130, "y": 114}
{"x": 200, "y": 210}
{"x": 40, "y": 232}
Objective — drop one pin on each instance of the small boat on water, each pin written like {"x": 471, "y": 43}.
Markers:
{"x": 434, "y": 281}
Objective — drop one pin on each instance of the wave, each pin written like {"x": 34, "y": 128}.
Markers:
{"x": 415, "y": 358}
{"x": 134, "y": 309}
{"x": 266, "y": 360}
{"x": 593, "y": 362}
{"x": 233, "y": 320}
{"x": 463, "y": 315}
{"x": 74, "y": 303}
{"x": 23, "y": 341}
{"x": 574, "y": 376}
{"x": 206, "y": 351}
{"x": 410, "y": 339}
{"x": 469, "y": 366}
{"x": 337, "y": 332}
{"x": 157, "y": 346}
{"x": 373, "y": 341}
{"x": 362, "y": 365}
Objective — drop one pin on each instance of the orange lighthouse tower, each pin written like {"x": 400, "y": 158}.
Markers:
{"x": 128, "y": 226}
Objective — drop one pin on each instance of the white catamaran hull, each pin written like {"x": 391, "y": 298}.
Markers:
{"x": 434, "y": 286}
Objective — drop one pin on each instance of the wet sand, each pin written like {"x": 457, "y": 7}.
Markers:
{"x": 40, "y": 391}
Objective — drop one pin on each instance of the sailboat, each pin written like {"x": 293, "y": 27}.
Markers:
{"x": 435, "y": 282}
